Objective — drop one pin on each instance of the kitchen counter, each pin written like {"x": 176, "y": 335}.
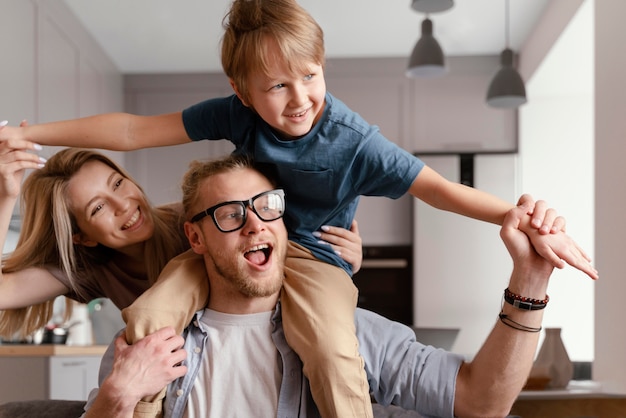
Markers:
{"x": 45, "y": 350}
{"x": 580, "y": 398}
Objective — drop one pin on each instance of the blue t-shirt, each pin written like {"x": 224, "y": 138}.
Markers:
{"x": 323, "y": 173}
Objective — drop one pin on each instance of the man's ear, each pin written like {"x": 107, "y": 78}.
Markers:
{"x": 238, "y": 93}
{"x": 79, "y": 239}
{"x": 195, "y": 237}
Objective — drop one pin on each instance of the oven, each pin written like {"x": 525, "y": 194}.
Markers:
{"x": 385, "y": 282}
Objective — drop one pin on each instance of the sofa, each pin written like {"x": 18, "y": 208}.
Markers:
{"x": 74, "y": 409}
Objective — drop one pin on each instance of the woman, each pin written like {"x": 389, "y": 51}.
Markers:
{"x": 104, "y": 239}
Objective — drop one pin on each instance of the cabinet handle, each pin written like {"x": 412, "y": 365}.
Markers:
{"x": 73, "y": 363}
{"x": 385, "y": 263}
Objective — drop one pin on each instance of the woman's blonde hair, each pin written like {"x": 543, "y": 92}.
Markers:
{"x": 43, "y": 243}
{"x": 251, "y": 24}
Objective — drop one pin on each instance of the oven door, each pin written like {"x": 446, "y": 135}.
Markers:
{"x": 385, "y": 282}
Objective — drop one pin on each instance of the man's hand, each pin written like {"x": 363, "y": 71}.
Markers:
{"x": 139, "y": 370}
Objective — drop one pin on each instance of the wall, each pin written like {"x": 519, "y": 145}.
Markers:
{"x": 556, "y": 164}
{"x": 610, "y": 193}
{"x": 461, "y": 264}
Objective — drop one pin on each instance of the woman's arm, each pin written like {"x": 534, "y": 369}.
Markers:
{"x": 29, "y": 287}
{"x": 114, "y": 131}
{"x": 32, "y": 285}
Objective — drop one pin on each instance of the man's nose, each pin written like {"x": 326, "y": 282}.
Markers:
{"x": 253, "y": 223}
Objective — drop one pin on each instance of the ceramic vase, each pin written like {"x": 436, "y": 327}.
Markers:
{"x": 553, "y": 359}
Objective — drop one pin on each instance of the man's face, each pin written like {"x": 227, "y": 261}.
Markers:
{"x": 246, "y": 263}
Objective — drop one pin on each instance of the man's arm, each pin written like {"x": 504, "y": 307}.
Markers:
{"x": 137, "y": 371}
{"x": 434, "y": 382}
{"x": 490, "y": 383}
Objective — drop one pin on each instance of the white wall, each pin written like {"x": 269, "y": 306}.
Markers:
{"x": 556, "y": 164}
{"x": 610, "y": 193}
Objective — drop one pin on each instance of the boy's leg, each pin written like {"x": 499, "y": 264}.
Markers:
{"x": 318, "y": 302}
{"x": 181, "y": 289}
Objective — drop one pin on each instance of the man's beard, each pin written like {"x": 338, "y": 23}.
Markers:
{"x": 234, "y": 272}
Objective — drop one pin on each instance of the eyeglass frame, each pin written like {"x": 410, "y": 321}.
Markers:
{"x": 248, "y": 203}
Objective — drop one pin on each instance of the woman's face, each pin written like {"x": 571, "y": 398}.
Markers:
{"x": 109, "y": 208}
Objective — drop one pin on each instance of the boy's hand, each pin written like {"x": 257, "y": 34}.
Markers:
{"x": 544, "y": 219}
{"x": 558, "y": 248}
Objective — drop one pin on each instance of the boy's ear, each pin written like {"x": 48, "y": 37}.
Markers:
{"x": 236, "y": 90}
{"x": 195, "y": 237}
{"x": 79, "y": 239}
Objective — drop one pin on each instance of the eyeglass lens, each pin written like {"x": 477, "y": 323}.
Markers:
{"x": 267, "y": 206}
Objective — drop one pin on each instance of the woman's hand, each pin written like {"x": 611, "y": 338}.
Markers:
{"x": 345, "y": 243}
{"x": 14, "y": 161}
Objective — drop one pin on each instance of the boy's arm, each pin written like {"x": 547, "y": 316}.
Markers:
{"x": 113, "y": 131}
{"x": 437, "y": 191}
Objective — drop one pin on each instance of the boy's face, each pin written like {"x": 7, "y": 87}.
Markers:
{"x": 289, "y": 103}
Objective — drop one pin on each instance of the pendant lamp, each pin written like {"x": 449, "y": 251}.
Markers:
{"x": 506, "y": 89}
{"x": 427, "y": 58}
{"x": 431, "y": 6}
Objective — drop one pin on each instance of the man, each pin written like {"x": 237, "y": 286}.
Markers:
{"x": 237, "y": 360}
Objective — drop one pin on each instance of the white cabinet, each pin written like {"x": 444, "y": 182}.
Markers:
{"x": 72, "y": 377}
{"x": 48, "y": 372}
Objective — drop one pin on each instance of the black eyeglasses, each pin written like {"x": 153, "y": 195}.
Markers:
{"x": 231, "y": 216}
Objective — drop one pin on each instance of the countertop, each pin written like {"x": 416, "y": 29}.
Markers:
{"x": 576, "y": 389}
{"x": 44, "y": 350}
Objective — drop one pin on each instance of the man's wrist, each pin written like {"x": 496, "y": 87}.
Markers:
{"x": 118, "y": 399}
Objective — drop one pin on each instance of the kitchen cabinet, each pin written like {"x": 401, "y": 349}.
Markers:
{"x": 48, "y": 371}
{"x": 160, "y": 170}
{"x": 54, "y": 69}
{"x": 17, "y": 73}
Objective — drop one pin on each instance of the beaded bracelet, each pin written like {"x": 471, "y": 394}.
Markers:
{"x": 522, "y": 302}
{"x": 516, "y": 325}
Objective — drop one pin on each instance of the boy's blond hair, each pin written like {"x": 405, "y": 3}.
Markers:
{"x": 251, "y": 25}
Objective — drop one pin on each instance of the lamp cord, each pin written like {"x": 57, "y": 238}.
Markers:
{"x": 506, "y": 23}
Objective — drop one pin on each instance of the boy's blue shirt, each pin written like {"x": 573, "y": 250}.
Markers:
{"x": 323, "y": 173}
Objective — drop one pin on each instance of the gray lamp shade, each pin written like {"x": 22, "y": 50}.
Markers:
{"x": 427, "y": 58}
{"x": 507, "y": 87}
{"x": 431, "y": 6}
